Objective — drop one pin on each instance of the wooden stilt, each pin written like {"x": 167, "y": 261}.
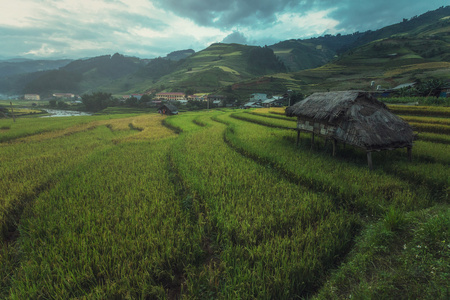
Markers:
{"x": 334, "y": 147}
{"x": 326, "y": 141}
{"x": 298, "y": 137}
{"x": 12, "y": 112}
{"x": 312, "y": 140}
{"x": 369, "y": 160}
{"x": 409, "y": 151}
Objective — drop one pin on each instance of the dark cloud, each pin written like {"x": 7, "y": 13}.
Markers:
{"x": 235, "y": 37}
{"x": 228, "y": 13}
{"x": 363, "y": 15}
{"x": 255, "y": 14}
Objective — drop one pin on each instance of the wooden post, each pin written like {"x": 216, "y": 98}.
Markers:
{"x": 369, "y": 160}
{"x": 298, "y": 136}
{"x": 409, "y": 151}
{"x": 312, "y": 140}
{"x": 12, "y": 112}
{"x": 334, "y": 147}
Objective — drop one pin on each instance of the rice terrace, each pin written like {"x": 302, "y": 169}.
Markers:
{"x": 219, "y": 204}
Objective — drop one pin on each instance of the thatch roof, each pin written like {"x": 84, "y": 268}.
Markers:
{"x": 359, "y": 118}
{"x": 172, "y": 109}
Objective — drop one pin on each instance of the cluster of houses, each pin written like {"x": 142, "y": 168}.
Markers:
{"x": 214, "y": 100}
{"x": 258, "y": 100}
{"x": 61, "y": 96}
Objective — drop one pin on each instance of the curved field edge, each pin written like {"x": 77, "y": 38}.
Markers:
{"x": 379, "y": 239}
{"x": 38, "y": 160}
{"x": 257, "y": 230}
{"x": 36, "y": 126}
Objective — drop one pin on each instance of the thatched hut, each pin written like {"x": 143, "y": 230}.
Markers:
{"x": 354, "y": 118}
{"x": 168, "y": 109}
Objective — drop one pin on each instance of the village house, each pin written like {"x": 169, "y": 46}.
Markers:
{"x": 252, "y": 104}
{"x": 68, "y": 96}
{"x": 275, "y": 101}
{"x": 354, "y": 118}
{"x": 170, "y": 96}
{"x": 258, "y": 97}
{"x": 198, "y": 97}
{"x": 217, "y": 100}
{"x": 137, "y": 96}
{"x": 33, "y": 97}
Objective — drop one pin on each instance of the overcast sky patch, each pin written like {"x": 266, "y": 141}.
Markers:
{"x": 151, "y": 28}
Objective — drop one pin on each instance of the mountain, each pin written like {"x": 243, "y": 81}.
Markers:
{"x": 78, "y": 76}
{"x": 416, "y": 49}
{"x": 19, "y": 66}
{"x": 312, "y": 53}
{"x": 415, "y": 26}
{"x": 411, "y": 50}
{"x": 215, "y": 67}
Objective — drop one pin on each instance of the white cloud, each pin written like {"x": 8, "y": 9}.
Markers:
{"x": 44, "y": 51}
{"x": 295, "y": 25}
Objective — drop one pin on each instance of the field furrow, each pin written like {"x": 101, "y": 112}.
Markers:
{"x": 111, "y": 228}
{"x": 218, "y": 204}
{"x": 258, "y": 230}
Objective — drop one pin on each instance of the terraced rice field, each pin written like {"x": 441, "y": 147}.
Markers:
{"x": 218, "y": 204}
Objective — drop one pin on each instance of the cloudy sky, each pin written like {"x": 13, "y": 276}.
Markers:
{"x": 151, "y": 28}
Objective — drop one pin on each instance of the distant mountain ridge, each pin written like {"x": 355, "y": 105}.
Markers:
{"x": 295, "y": 64}
{"x": 11, "y": 67}
{"x": 180, "y": 54}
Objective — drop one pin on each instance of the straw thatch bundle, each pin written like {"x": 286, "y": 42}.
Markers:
{"x": 355, "y": 118}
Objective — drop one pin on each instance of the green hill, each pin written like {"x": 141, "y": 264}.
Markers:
{"x": 417, "y": 49}
{"x": 79, "y": 76}
{"x": 215, "y": 67}
{"x": 312, "y": 53}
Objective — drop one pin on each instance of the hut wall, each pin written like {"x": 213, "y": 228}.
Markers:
{"x": 316, "y": 127}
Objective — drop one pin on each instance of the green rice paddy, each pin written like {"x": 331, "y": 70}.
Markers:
{"x": 218, "y": 205}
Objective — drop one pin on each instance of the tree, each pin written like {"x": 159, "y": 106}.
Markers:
{"x": 189, "y": 91}
{"x": 96, "y": 101}
{"x": 132, "y": 101}
{"x": 146, "y": 98}
{"x": 295, "y": 97}
{"x": 429, "y": 88}
{"x": 61, "y": 104}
